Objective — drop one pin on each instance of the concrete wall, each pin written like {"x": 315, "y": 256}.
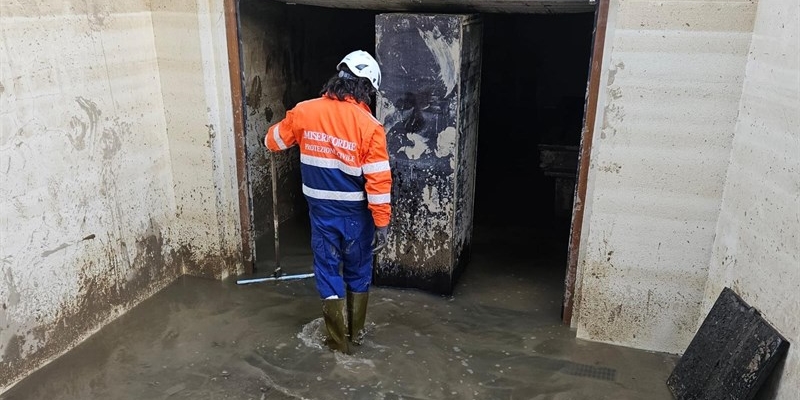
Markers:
{"x": 110, "y": 147}
{"x": 757, "y": 247}
{"x": 670, "y": 89}
{"x": 190, "y": 41}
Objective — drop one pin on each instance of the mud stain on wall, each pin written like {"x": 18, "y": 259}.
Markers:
{"x": 253, "y": 98}
{"x": 614, "y": 113}
{"x": 611, "y": 318}
{"x": 13, "y": 291}
{"x": 101, "y": 297}
{"x": 85, "y": 186}
{"x": 83, "y": 126}
{"x": 99, "y": 15}
{"x": 104, "y": 296}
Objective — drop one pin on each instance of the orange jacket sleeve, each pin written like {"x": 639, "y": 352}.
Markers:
{"x": 281, "y": 136}
{"x": 378, "y": 177}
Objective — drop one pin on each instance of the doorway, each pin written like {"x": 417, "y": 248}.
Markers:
{"x": 535, "y": 70}
{"x": 287, "y": 53}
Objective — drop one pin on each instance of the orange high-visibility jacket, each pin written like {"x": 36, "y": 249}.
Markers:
{"x": 342, "y": 155}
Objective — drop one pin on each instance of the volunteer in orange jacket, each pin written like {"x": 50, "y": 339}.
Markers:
{"x": 347, "y": 183}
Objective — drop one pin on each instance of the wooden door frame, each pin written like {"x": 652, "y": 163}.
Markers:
{"x": 590, "y": 115}
{"x": 587, "y": 134}
{"x": 231, "y": 10}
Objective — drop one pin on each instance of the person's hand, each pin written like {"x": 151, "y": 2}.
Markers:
{"x": 380, "y": 239}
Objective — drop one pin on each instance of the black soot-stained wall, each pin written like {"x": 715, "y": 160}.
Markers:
{"x": 429, "y": 105}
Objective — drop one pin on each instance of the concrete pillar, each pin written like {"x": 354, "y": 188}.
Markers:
{"x": 428, "y": 103}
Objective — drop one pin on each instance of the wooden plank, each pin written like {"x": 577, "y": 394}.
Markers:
{"x": 732, "y": 354}
{"x": 234, "y": 65}
{"x": 592, "y": 93}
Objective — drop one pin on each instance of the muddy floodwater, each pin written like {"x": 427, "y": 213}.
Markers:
{"x": 499, "y": 336}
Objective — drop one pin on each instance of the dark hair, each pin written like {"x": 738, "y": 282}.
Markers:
{"x": 345, "y": 84}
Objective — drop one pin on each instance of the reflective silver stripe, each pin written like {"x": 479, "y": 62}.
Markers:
{"x": 331, "y": 195}
{"x": 372, "y": 168}
{"x": 329, "y": 163}
{"x": 379, "y": 198}
{"x": 276, "y": 134}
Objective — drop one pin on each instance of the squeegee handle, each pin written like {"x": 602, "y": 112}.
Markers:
{"x": 275, "y": 216}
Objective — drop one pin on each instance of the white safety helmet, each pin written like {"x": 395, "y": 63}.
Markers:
{"x": 363, "y": 65}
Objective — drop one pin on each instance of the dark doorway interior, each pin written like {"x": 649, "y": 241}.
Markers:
{"x": 535, "y": 69}
{"x": 319, "y": 38}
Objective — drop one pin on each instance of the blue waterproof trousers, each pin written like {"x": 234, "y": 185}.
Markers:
{"x": 342, "y": 243}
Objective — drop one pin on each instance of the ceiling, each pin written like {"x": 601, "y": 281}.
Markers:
{"x": 458, "y": 6}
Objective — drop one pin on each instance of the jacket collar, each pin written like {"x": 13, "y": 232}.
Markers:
{"x": 351, "y": 99}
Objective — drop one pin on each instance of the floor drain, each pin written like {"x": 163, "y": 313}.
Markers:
{"x": 590, "y": 371}
{"x": 575, "y": 369}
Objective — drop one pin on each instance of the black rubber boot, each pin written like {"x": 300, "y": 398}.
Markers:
{"x": 357, "y": 315}
{"x": 333, "y": 311}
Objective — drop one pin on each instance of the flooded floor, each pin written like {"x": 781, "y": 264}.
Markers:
{"x": 499, "y": 336}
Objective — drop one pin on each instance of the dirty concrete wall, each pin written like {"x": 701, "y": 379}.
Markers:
{"x": 94, "y": 214}
{"x": 670, "y": 88}
{"x": 190, "y": 43}
{"x": 757, "y": 247}
{"x": 264, "y": 42}
{"x": 428, "y": 64}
